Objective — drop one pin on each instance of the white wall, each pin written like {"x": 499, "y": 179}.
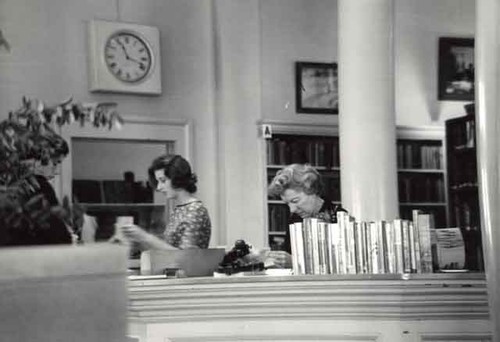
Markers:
{"x": 95, "y": 159}
{"x": 294, "y": 30}
{"x": 306, "y": 30}
{"x": 419, "y": 24}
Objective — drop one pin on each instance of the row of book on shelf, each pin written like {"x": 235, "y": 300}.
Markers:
{"x": 415, "y": 155}
{"x": 316, "y": 152}
{"x": 350, "y": 247}
{"x": 325, "y": 152}
{"x": 463, "y": 136}
{"x": 421, "y": 188}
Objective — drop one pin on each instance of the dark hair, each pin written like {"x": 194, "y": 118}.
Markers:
{"x": 177, "y": 169}
{"x": 50, "y": 146}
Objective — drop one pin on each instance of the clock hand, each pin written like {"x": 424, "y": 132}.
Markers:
{"x": 141, "y": 64}
{"x": 134, "y": 60}
{"x": 128, "y": 58}
{"x": 124, "y": 49}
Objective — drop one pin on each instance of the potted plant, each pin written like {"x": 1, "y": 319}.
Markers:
{"x": 28, "y": 137}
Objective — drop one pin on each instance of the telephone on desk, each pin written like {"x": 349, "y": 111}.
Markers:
{"x": 236, "y": 260}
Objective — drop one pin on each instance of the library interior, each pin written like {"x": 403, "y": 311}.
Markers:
{"x": 389, "y": 105}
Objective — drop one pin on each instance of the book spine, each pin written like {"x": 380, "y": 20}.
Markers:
{"x": 358, "y": 246}
{"x": 414, "y": 216}
{"x": 366, "y": 246}
{"x": 391, "y": 256}
{"x": 374, "y": 248}
{"x": 308, "y": 246}
{"x": 329, "y": 248}
{"x": 400, "y": 155}
{"x": 424, "y": 227}
{"x": 398, "y": 245}
{"x": 315, "y": 245}
{"x": 269, "y": 152}
{"x": 323, "y": 249}
{"x": 342, "y": 217}
{"x": 418, "y": 263}
{"x": 294, "y": 248}
{"x": 351, "y": 249}
{"x": 406, "y": 248}
{"x": 333, "y": 247}
{"x": 382, "y": 257}
{"x": 413, "y": 255}
{"x": 282, "y": 147}
{"x": 300, "y": 248}
{"x": 434, "y": 249}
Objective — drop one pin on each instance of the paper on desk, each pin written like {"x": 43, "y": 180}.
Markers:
{"x": 451, "y": 248}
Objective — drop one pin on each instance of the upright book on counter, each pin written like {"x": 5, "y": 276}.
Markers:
{"x": 424, "y": 225}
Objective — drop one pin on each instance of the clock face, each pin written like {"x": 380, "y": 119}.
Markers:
{"x": 128, "y": 57}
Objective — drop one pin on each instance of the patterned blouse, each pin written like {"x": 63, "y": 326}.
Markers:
{"x": 189, "y": 226}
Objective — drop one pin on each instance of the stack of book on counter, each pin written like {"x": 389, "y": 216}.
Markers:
{"x": 350, "y": 247}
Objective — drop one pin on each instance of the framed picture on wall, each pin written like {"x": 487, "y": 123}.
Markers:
{"x": 316, "y": 88}
{"x": 456, "y": 69}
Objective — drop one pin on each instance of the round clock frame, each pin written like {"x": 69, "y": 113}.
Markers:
{"x": 128, "y": 56}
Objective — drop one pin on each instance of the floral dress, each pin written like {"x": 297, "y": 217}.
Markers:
{"x": 189, "y": 226}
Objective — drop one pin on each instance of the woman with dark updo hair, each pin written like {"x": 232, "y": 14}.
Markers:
{"x": 189, "y": 224}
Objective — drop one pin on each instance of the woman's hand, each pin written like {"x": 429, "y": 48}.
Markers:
{"x": 133, "y": 233}
{"x": 280, "y": 259}
{"x": 145, "y": 240}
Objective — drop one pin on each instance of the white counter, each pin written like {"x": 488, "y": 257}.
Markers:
{"x": 433, "y": 307}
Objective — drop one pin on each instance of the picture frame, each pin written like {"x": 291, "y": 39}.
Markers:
{"x": 456, "y": 69}
{"x": 316, "y": 88}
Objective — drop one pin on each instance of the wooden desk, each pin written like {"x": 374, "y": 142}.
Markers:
{"x": 432, "y": 307}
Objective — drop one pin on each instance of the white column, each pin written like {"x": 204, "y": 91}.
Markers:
{"x": 367, "y": 128}
{"x": 238, "y": 108}
{"x": 488, "y": 145}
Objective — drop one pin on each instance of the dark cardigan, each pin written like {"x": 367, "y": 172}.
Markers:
{"x": 327, "y": 213}
{"x": 55, "y": 232}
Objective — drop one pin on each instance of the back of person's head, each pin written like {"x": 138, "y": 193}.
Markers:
{"x": 128, "y": 176}
{"x": 43, "y": 145}
{"x": 177, "y": 169}
{"x": 51, "y": 146}
{"x": 301, "y": 177}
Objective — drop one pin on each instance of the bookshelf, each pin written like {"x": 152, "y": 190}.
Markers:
{"x": 463, "y": 190}
{"x": 422, "y": 178}
{"x": 420, "y": 161}
{"x": 320, "y": 150}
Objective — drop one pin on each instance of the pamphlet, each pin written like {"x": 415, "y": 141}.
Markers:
{"x": 450, "y": 249}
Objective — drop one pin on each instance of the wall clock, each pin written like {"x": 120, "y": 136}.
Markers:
{"x": 124, "y": 58}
